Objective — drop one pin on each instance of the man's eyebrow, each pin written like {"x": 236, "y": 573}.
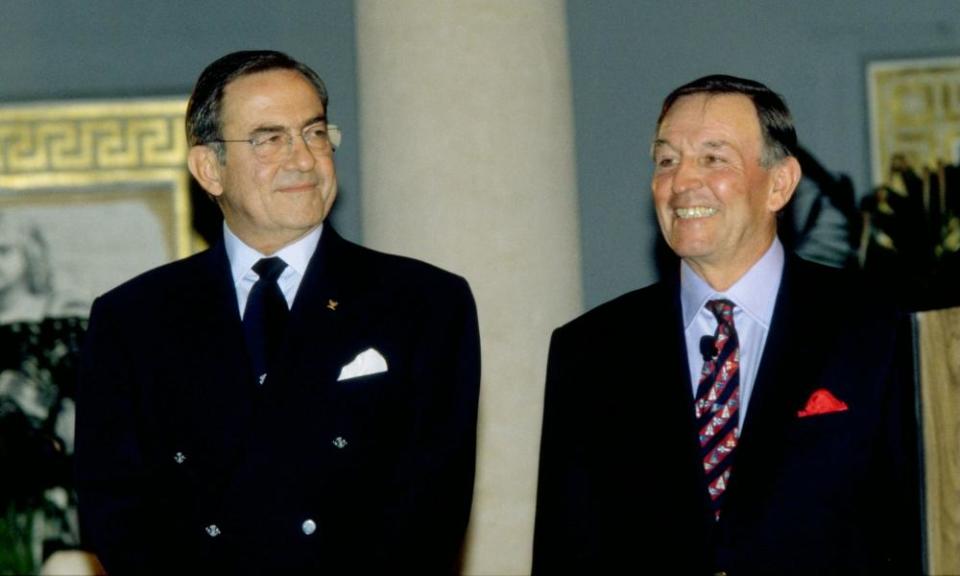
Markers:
{"x": 271, "y": 128}
{"x": 268, "y": 128}
{"x": 716, "y": 144}
{"x": 661, "y": 143}
{"x": 315, "y": 120}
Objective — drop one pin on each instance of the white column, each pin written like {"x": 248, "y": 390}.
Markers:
{"x": 467, "y": 161}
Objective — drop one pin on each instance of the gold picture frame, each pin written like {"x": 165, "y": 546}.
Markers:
{"x": 914, "y": 113}
{"x": 105, "y": 181}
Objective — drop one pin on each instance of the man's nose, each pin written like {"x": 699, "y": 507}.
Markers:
{"x": 300, "y": 158}
{"x": 687, "y": 176}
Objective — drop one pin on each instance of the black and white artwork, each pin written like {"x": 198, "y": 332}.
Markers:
{"x": 91, "y": 195}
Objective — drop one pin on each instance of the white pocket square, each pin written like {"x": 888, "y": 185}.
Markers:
{"x": 367, "y": 362}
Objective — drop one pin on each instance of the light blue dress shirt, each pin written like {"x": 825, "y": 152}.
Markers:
{"x": 755, "y": 295}
{"x": 242, "y": 258}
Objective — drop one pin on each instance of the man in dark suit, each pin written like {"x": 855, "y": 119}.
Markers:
{"x": 748, "y": 414}
{"x": 219, "y": 431}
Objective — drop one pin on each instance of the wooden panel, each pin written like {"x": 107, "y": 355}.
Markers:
{"x": 939, "y": 354}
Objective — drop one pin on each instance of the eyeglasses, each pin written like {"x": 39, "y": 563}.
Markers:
{"x": 277, "y": 145}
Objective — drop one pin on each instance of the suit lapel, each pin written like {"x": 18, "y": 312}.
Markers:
{"x": 219, "y": 393}
{"x": 336, "y": 303}
{"x": 787, "y": 374}
{"x": 215, "y": 336}
{"x": 681, "y": 392}
{"x": 678, "y": 403}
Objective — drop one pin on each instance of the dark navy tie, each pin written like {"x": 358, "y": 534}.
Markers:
{"x": 265, "y": 317}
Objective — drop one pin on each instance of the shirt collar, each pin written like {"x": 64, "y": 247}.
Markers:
{"x": 755, "y": 292}
{"x": 242, "y": 257}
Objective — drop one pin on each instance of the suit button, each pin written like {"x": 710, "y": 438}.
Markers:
{"x": 309, "y": 526}
{"x": 213, "y": 530}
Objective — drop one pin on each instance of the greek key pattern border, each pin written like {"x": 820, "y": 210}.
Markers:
{"x": 102, "y": 136}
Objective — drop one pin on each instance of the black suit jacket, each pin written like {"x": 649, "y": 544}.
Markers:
{"x": 184, "y": 463}
{"x": 621, "y": 481}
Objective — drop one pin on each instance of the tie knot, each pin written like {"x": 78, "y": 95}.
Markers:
{"x": 269, "y": 269}
{"x": 722, "y": 309}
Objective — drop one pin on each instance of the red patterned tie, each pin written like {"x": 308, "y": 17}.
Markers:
{"x": 717, "y": 404}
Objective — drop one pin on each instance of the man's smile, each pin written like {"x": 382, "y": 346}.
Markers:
{"x": 694, "y": 212}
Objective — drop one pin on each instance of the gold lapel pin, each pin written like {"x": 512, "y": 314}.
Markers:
{"x": 332, "y": 304}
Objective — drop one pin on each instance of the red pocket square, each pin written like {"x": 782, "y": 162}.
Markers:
{"x": 822, "y": 402}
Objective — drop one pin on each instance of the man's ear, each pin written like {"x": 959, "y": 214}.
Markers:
{"x": 204, "y": 164}
{"x": 786, "y": 176}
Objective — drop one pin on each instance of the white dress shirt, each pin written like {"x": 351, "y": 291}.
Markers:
{"x": 755, "y": 295}
{"x": 242, "y": 258}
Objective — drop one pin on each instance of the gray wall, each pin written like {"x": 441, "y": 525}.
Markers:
{"x": 66, "y": 49}
{"x": 626, "y": 55}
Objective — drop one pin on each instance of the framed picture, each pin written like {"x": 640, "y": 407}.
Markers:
{"x": 101, "y": 185}
{"x": 914, "y": 114}
{"x": 91, "y": 194}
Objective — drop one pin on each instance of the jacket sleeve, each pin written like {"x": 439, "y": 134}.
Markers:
{"x": 430, "y": 524}
{"x": 115, "y": 520}
{"x": 902, "y": 542}
{"x": 562, "y": 531}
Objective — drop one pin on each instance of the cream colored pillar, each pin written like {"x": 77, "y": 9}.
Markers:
{"x": 467, "y": 162}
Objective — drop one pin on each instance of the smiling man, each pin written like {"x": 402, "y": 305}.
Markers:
{"x": 286, "y": 402}
{"x": 748, "y": 414}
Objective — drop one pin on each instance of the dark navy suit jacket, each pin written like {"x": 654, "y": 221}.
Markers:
{"x": 185, "y": 463}
{"x": 621, "y": 481}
